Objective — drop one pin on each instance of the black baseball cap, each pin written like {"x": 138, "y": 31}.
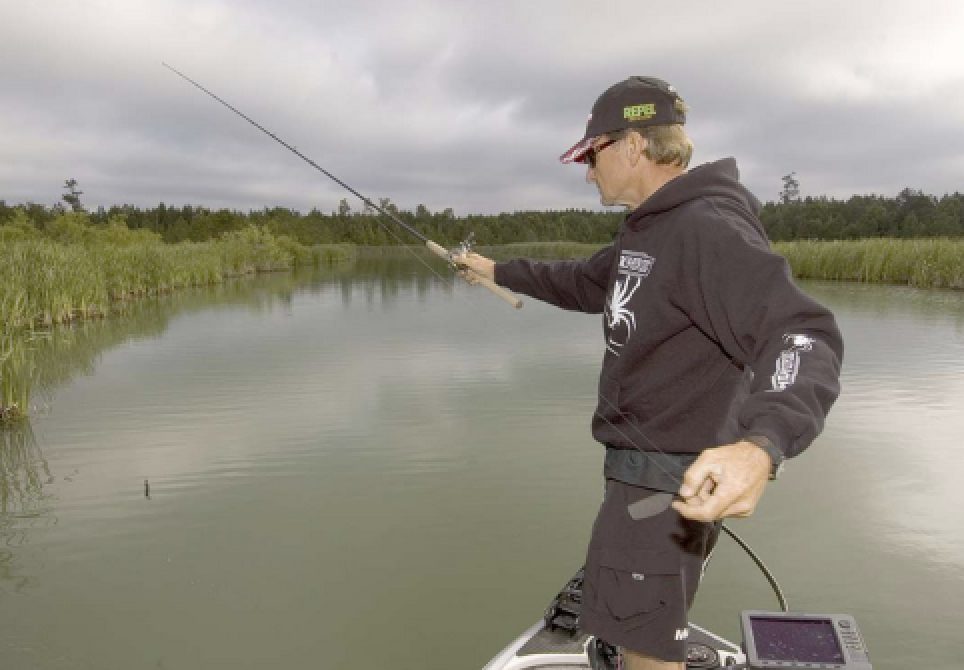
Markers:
{"x": 632, "y": 103}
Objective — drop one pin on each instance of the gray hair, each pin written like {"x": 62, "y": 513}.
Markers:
{"x": 666, "y": 144}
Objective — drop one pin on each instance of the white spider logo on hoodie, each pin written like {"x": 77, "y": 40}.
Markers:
{"x": 620, "y": 319}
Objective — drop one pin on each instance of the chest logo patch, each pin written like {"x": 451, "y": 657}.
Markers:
{"x": 635, "y": 263}
{"x": 633, "y": 267}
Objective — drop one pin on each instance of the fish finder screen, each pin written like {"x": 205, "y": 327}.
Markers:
{"x": 799, "y": 640}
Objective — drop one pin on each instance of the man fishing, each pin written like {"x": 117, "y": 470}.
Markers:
{"x": 716, "y": 368}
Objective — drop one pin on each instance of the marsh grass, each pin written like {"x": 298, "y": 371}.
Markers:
{"x": 16, "y": 368}
{"x": 541, "y": 250}
{"x": 923, "y": 263}
{"x": 71, "y": 270}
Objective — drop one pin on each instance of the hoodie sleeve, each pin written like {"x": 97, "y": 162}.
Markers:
{"x": 574, "y": 285}
{"x": 742, "y": 294}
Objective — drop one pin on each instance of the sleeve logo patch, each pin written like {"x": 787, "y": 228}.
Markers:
{"x": 788, "y": 362}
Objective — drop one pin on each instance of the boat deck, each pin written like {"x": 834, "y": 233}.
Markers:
{"x": 541, "y": 649}
{"x": 554, "y": 642}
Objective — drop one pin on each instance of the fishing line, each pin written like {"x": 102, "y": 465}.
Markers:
{"x": 313, "y": 164}
{"x": 435, "y": 248}
{"x": 299, "y": 154}
{"x": 401, "y": 243}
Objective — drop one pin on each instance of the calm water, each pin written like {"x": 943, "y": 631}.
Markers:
{"x": 379, "y": 470}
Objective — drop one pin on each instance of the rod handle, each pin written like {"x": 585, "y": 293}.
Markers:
{"x": 506, "y": 295}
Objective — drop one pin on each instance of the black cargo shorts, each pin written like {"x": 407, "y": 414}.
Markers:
{"x": 643, "y": 566}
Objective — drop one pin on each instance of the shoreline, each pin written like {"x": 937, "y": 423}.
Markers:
{"x": 936, "y": 263}
{"x": 928, "y": 263}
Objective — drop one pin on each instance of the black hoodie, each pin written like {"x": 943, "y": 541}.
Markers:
{"x": 708, "y": 340}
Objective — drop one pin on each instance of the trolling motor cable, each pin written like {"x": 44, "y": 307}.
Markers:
{"x": 435, "y": 248}
{"x": 756, "y": 559}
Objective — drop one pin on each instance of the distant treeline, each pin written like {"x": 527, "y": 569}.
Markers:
{"x": 911, "y": 214}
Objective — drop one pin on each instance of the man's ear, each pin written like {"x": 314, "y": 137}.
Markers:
{"x": 637, "y": 145}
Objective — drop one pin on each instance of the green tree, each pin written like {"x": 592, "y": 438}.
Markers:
{"x": 72, "y": 196}
{"x": 791, "y": 188}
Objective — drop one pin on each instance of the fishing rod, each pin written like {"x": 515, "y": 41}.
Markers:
{"x": 434, "y": 247}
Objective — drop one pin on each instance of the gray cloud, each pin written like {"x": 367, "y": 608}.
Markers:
{"x": 463, "y": 104}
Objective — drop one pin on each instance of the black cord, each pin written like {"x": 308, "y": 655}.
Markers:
{"x": 756, "y": 559}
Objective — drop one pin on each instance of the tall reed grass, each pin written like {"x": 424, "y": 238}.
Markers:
{"x": 71, "y": 270}
{"x": 16, "y": 368}
{"x": 924, "y": 263}
{"x": 543, "y": 250}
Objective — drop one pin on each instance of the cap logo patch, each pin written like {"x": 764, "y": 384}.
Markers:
{"x": 639, "y": 112}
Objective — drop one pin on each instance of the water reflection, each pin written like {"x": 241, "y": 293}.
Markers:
{"x": 23, "y": 504}
{"x": 335, "y": 451}
{"x": 899, "y": 415}
{"x": 384, "y": 280}
{"x": 876, "y": 300}
{"x": 33, "y": 363}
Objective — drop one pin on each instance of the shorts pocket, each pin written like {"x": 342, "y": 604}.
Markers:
{"x": 634, "y": 585}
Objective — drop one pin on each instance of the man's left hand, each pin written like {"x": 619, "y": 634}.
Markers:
{"x": 726, "y": 481}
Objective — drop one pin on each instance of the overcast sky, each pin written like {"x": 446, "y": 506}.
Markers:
{"x": 464, "y": 104}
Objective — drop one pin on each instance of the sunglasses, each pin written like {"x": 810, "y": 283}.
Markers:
{"x": 592, "y": 152}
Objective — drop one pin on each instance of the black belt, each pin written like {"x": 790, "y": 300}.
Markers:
{"x": 652, "y": 469}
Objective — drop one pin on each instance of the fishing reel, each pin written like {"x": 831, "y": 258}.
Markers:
{"x": 464, "y": 248}
{"x": 471, "y": 276}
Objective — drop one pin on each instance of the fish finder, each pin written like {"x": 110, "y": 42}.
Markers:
{"x": 799, "y": 641}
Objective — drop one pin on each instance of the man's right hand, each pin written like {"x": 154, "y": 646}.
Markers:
{"x": 472, "y": 266}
